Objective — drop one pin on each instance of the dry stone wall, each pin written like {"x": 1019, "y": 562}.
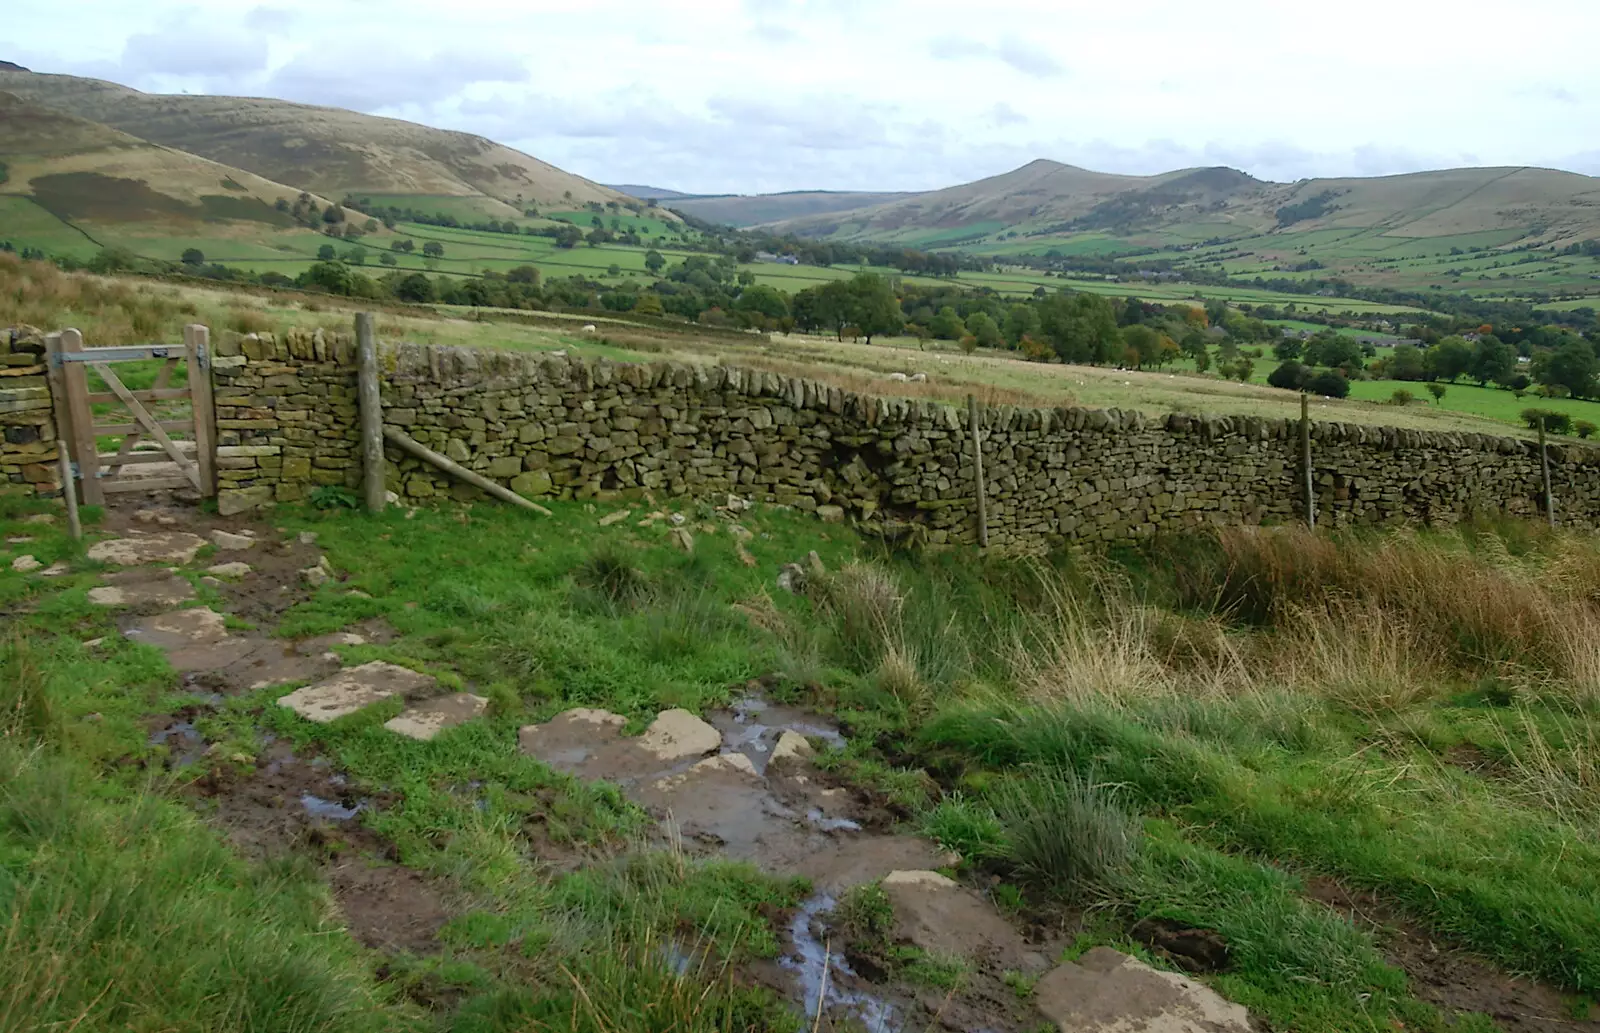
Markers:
{"x": 557, "y": 427}
{"x": 27, "y": 428}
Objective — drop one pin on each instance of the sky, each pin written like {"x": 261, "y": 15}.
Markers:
{"x": 752, "y": 96}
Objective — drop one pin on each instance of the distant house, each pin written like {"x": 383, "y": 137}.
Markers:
{"x": 768, "y": 256}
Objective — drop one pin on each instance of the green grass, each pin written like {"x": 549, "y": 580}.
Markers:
{"x": 1164, "y": 789}
{"x": 1492, "y": 403}
{"x": 25, "y": 224}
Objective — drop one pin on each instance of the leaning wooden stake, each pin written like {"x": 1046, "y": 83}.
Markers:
{"x": 455, "y": 469}
{"x": 1544, "y": 466}
{"x": 69, "y": 490}
{"x": 371, "y": 412}
{"x": 977, "y": 472}
{"x": 1305, "y": 460}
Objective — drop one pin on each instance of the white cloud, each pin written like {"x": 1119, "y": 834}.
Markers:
{"x": 746, "y": 95}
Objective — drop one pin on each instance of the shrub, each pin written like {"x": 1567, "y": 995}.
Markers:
{"x": 1584, "y": 428}
{"x": 1329, "y": 384}
{"x": 1437, "y": 391}
{"x": 1401, "y": 397}
{"x": 1066, "y": 832}
{"x": 1554, "y": 422}
{"x": 1290, "y": 376}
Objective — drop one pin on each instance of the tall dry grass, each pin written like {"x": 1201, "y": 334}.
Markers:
{"x": 108, "y": 311}
{"x": 1375, "y": 624}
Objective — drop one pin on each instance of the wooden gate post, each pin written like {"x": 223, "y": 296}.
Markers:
{"x": 977, "y": 472}
{"x": 197, "y": 343}
{"x": 1305, "y": 460}
{"x": 371, "y": 412}
{"x": 1544, "y": 469}
{"x": 57, "y": 381}
{"x": 76, "y": 380}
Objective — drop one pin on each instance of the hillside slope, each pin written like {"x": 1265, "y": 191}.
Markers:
{"x": 755, "y": 209}
{"x": 1046, "y": 201}
{"x": 78, "y": 175}
{"x": 1041, "y": 192}
{"x": 327, "y": 151}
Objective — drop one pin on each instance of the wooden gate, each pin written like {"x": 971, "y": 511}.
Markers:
{"x": 101, "y": 474}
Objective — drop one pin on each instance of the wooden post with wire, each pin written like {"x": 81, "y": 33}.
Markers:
{"x": 1544, "y": 468}
{"x": 371, "y": 413}
{"x": 1305, "y": 460}
{"x": 977, "y": 471}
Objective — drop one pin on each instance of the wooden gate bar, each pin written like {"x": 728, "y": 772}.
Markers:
{"x": 141, "y": 414}
{"x": 160, "y": 389}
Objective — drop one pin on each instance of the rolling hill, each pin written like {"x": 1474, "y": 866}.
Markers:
{"x": 754, "y": 209}
{"x": 1486, "y": 230}
{"x": 1045, "y": 200}
{"x": 82, "y": 184}
{"x": 326, "y": 151}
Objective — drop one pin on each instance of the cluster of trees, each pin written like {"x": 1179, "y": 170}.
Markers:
{"x": 25, "y": 252}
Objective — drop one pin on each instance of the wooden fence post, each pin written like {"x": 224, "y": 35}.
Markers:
{"x": 1544, "y": 467}
{"x": 197, "y": 345}
{"x": 371, "y": 412}
{"x": 977, "y": 471}
{"x": 76, "y": 381}
{"x": 1305, "y": 460}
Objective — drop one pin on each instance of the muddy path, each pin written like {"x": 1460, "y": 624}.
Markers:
{"x": 738, "y": 783}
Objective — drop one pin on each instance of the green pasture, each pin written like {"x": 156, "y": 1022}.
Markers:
{"x": 467, "y": 209}
{"x": 25, "y": 224}
{"x": 623, "y": 221}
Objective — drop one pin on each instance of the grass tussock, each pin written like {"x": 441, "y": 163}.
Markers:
{"x": 1066, "y": 831}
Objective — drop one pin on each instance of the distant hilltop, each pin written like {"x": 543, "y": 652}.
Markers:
{"x": 11, "y": 66}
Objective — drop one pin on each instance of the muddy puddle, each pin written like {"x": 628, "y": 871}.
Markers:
{"x": 741, "y": 785}
{"x": 293, "y": 803}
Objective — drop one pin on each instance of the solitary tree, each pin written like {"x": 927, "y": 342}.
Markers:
{"x": 326, "y": 253}
{"x": 193, "y": 256}
{"x": 875, "y": 307}
{"x": 433, "y": 249}
{"x": 1437, "y": 390}
{"x": 654, "y": 261}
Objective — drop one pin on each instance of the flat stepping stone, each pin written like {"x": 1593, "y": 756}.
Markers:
{"x": 137, "y": 591}
{"x": 355, "y": 689}
{"x": 947, "y": 919}
{"x": 25, "y": 564}
{"x": 1109, "y": 992}
{"x": 426, "y": 720}
{"x": 678, "y": 735}
{"x": 568, "y": 740}
{"x": 196, "y": 639}
{"x": 228, "y": 541}
{"x": 147, "y": 547}
{"x": 229, "y": 570}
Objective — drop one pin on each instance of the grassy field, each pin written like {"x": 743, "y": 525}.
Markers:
{"x": 1264, "y": 717}
{"x": 112, "y": 311}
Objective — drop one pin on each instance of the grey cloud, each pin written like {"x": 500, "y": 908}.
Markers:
{"x": 369, "y": 81}
{"x": 270, "y": 19}
{"x": 1013, "y": 51}
{"x": 1003, "y": 114}
{"x": 1027, "y": 58}
{"x": 181, "y": 53}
